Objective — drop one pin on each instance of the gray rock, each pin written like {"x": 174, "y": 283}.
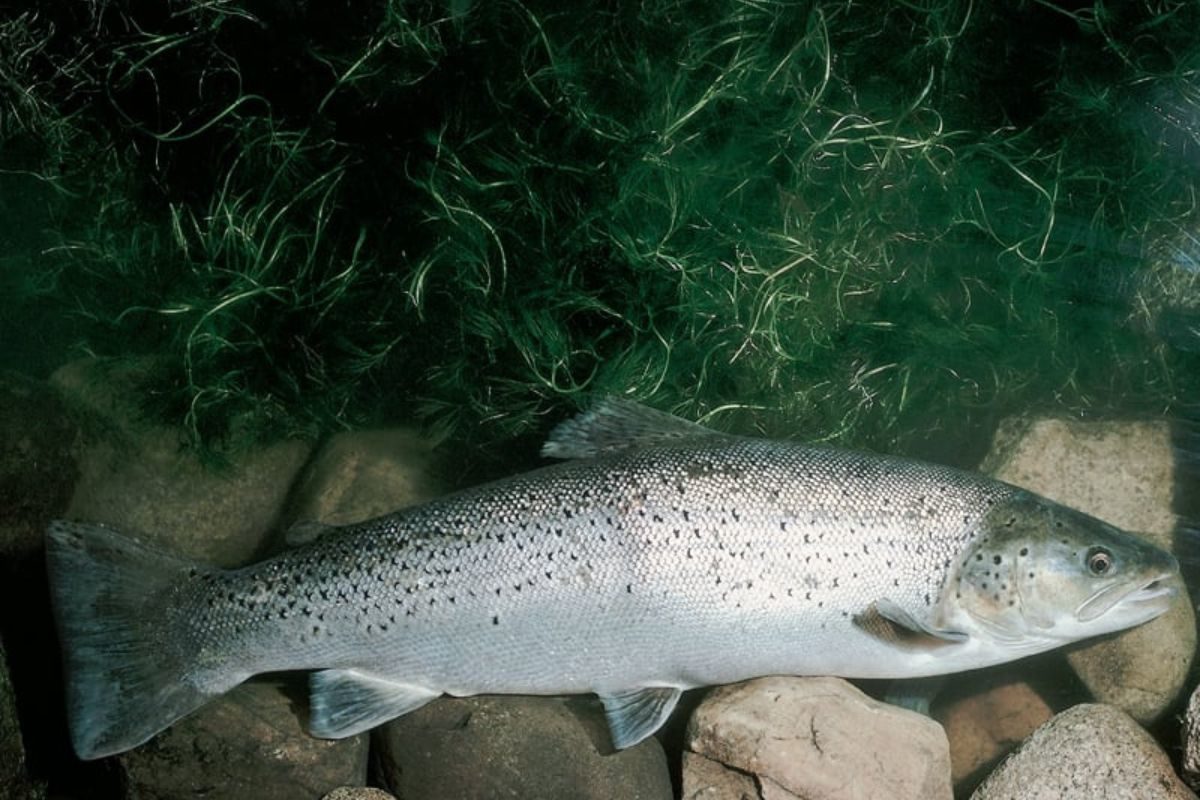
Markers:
{"x": 14, "y": 782}
{"x": 137, "y": 477}
{"x": 518, "y": 747}
{"x": 705, "y": 779}
{"x": 248, "y": 743}
{"x": 1191, "y": 741}
{"x": 1122, "y": 473}
{"x": 1089, "y": 752}
{"x": 821, "y": 739}
{"x": 39, "y": 450}
{"x": 360, "y": 475}
{"x": 358, "y": 793}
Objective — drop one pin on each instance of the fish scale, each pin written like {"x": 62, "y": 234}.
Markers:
{"x": 754, "y": 533}
{"x": 659, "y": 556}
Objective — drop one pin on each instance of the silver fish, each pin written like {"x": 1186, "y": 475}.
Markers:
{"x": 660, "y": 556}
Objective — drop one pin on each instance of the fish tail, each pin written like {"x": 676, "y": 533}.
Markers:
{"x": 124, "y": 683}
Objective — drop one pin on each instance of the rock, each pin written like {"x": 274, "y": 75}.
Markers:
{"x": 138, "y": 477}
{"x": 1123, "y": 474}
{"x": 39, "y": 450}
{"x": 1191, "y": 741}
{"x": 247, "y": 743}
{"x": 821, "y": 739}
{"x": 358, "y": 793}
{"x": 705, "y": 779}
{"x": 14, "y": 782}
{"x": 526, "y": 747}
{"x": 363, "y": 474}
{"x": 1088, "y": 752}
{"x": 1000, "y": 713}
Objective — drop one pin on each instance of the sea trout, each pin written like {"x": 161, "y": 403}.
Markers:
{"x": 658, "y": 557}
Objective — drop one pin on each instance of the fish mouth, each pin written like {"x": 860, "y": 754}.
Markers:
{"x": 1151, "y": 597}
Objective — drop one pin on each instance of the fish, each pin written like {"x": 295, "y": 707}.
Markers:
{"x": 656, "y": 556}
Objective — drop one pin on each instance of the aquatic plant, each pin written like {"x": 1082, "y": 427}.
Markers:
{"x": 805, "y": 218}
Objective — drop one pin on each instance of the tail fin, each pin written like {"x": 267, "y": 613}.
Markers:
{"x": 124, "y": 682}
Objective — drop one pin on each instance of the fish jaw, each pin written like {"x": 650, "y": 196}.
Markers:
{"x": 1140, "y": 604}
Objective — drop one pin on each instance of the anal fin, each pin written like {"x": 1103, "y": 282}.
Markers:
{"x": 636, "y": 714}
{"x": 349, "y": 701}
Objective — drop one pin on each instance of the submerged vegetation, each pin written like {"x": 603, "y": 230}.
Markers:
{"x": 817, "y": 218}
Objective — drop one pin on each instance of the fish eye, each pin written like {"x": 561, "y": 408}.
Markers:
{"x": 1099, "y": 561}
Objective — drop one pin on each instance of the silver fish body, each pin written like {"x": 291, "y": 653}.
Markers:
{"x": 660, "y": 557}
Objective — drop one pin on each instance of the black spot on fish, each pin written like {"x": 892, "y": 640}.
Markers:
{"x": 495, "y": 620}
{"x": 996, "y": 559}
{"x": 979, "y": 556}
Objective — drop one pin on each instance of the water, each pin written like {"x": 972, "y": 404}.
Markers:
{"x": 805, "y": 220}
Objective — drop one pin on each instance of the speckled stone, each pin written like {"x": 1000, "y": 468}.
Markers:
{"x": 533, "y": 748}
{"x": 13, "y": 780}
{"x": 821, "y": 739}
{"x": 705, "y": 779}
{"x": 358, "y": 793}
{"x": 1191, "y": 741}
{"x": 1123, "y": 473}
{"x": 1089, "y": 752}
{"x": 247, "y": 743}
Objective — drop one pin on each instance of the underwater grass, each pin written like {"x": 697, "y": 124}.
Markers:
{"x": 802, "y": 218}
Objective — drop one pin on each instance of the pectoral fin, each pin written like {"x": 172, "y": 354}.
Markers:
{"x": 892, "y": 611}
{"x": 886, "y": 620}
{"x": 638, "y": 713}
{"x": 348, "y": 701}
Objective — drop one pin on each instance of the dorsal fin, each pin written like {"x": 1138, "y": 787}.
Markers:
{"x": 615, "y": 425}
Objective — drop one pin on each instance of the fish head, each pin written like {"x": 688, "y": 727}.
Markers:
{"x": 1038, "y": 571}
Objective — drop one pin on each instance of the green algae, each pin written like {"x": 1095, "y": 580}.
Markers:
{"x": 882, "y": 228}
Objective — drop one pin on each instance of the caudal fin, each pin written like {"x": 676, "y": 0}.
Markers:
{"x": 125, "y": 682}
